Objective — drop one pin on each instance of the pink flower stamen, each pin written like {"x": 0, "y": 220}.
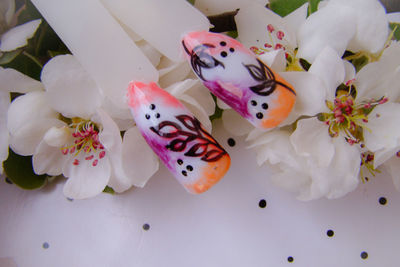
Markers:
{"x": 86, "y": 141}
{"x": 270, "y": 28}
{"x": 280, "y": 35}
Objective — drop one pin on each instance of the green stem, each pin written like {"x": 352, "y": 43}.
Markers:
{"x": 32, "y": 58}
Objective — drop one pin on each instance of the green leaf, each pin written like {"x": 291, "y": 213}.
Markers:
{"x": 360, "y": 62}
{"x": 396, "y": 34}
{"x": 285, "y": 7}
{"x": 313, "y": 6}
{"x": 7, "y": 57}
{"x": 191, "y": 1}
{"x": 232, "y": 34}
{"x": 109, "y": 190}
{"x": 218, "y": 111}
{"x": 20, "y": 171}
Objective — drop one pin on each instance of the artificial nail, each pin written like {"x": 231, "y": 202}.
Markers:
{"x": 192, "y": 155}
{"x": 236, "y": 76}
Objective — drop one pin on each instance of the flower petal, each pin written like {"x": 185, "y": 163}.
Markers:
{"x": 4, "y": 104}
{"x": 48, "y": 159}
{"x": 369, "y": 36}
{"x": 18, "y": 36}
{"x": 7, "y": 9}
{"x": 341, "y": 177}
{"x": 393, "y": 17}
{"x": 15, "y": 81}
{"x": 28, "y": 108}
{"x": 25, "y": 140}
{"x": 332, "y": 25}
{"x": 294, "y": 20}
{"x": 110, "y": 138}
{"x": 252, "y": 21}
{"x": 311, "y": 139}
{"x": 58, "y": 137}
{"x": 384, "y": 125}
{"x": 393, "y": 166}
{"x": 275, "y": 59}
{"x": 151, "y": 53}
{"x": 211, "y": 7}
{"x": 329, "y": 67}
{"x": 70, "y": 89}
{"x": 275, "y": 147}
{"x": 310, "y": 95}
{"x": 236, "y": 124}
{"x": 172, "y": 72}
{"x": 381, "y": 78}
{"x": 84, "y": 179}
{"x": 139, "y": 161}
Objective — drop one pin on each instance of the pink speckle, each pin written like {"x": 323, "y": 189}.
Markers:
{"x": 76, "y": 162}
{"x": 267, "y": 45}
{"x": 95, "y": 162}
{"x": 102, "y": 154}
{"x": 278, "y": 46}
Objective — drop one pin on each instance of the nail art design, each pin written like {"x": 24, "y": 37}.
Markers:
{"x": 236, "y": 76}
{"x": 177, "y": 137}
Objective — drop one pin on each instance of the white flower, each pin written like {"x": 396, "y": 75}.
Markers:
{"x": 324, "y": 154}
{"x": 263, "y": 31}
{"x": 332, "y": 176}
{"x": 11, "y": 81}
{"x": 85, "y": 143}
{"x": 11, "y": 36}
{"x": 344, "y": 25}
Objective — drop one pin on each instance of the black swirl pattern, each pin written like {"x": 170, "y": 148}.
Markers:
{"x": 189, "y": 135}
{"x": 199, "y": 59}
{"x": 266, "y": 78}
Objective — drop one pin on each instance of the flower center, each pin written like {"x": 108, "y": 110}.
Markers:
{"x": 276, "y": 40}
{"x": 347, "y": 116}
{"x": 86, "y": 140}
{"x": 367, "y": 161}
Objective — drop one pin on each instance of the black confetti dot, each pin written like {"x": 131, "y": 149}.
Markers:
{"x": 152, "y": 107}
{"x": 264, "y": 105}
{"x": 253, "y": 103}
{"x": 290, "y": 259}
{"x": 222, "y": 43}
{"x": 146, "y": 226}
{"x": 184, "y": 173}
{"x": 262, "y": 204}
{"x": 224, "y": 54}
{"x": 70, "y": 199}
{"x": 259, "y": 115}
{"x": 231, "y": 142}
{"x": 189, "y": 168}
{"x": 8, "y": 181}
{"x": 330, "y": 233}
{"x": 147, "y": 116}
{"x": 232, "y": 49}
{"x": 364, "y": 255}
{"x": 45, "y": 245}
{"x": 180, "y": 162}
{"x": 382, "y": 200}
{"x": 158, "y": 115}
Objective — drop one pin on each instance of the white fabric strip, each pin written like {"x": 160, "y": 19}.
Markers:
{"x": 99, "y": 43}
{"x": 161, "y": 23}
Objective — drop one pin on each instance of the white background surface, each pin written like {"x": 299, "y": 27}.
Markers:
{"x": 222, "y": 227}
